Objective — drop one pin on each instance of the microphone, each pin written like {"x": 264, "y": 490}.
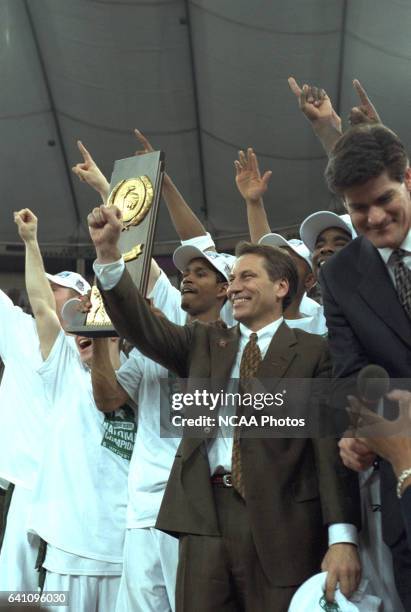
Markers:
{"x": 373, "y": 382}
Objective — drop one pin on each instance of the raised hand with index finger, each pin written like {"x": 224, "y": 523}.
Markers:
{"x": 147, "y": 147}
{"x": 366, "y": 111}
{"x": 88, "y": 171}
{"x": 315, "y": 104}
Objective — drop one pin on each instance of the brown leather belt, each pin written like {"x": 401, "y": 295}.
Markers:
{"x": 222, "y": 480}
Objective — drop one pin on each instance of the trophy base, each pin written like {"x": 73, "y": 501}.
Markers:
{"x": 92, "y": 331}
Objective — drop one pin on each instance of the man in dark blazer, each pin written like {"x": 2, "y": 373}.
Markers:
{"x": 366, "y": 317}
{"x": 248, "y": 551}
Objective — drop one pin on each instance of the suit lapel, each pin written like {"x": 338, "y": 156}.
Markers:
{"x": 377, "y": 289}
{"x": 279, "y": 355}
{"x": 223, "y": 351}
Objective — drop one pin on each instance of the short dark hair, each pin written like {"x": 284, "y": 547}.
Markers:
{"x": 278, "y": 264}
{"x": 362, "y": 153}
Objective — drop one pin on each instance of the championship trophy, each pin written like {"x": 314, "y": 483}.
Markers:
{"x": 135, "y": 189}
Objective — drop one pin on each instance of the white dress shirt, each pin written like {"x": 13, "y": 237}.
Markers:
{"x": 220, "y": 449}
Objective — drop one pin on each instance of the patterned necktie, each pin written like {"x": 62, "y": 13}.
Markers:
{"x": 402, "y": 277}
{"x": 250, "y": 360}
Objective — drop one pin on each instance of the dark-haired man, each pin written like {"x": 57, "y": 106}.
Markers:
{"x": 365, "y": 291}
{"x": 245, "y": 540}
{"x": 151, "y": 556}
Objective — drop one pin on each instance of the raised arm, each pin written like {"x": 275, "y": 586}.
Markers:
{"x": 252, "y": 186}
{"x": 316, "y": 106}
{"x": 38, "y": 288}
{"x": 186, "y": 223}
{"x": 89, "y": 172}
{"x": 108, "y": 394}
{"x": 155, "y": 336}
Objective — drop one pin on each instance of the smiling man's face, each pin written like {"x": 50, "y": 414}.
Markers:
{"x": 200, "y": 287}
{"x": 329, "y": 242}
{"x": 380, "y": 209}
{"x": 256, "y": 299}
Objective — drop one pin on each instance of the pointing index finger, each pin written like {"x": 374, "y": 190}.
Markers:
{"x": 362, "y": 94}
{"x": 143, "y": 140}
{"x": 294, "y": 86}
{"x": 86, "y": 155}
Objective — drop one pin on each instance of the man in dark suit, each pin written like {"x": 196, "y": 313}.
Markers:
{"x": 248, "y": 538}
{"x": 366, "y": 296}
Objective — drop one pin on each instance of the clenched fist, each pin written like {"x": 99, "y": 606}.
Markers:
{"x": 105, "y": 225}
{"x": 26, "y": 222}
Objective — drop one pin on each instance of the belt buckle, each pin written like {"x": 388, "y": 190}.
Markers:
{"x": 227, "y": 480}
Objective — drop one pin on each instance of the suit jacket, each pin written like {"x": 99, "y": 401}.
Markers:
{"x": 294, "y": 487}
{"x": 406, "y": 512}
{"x": 367, "y": 324}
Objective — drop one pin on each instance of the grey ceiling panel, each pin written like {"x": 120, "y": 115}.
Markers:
{"x": 23, "y": 91}
{"x": 298, "y": 16}
{"x": 34, "y": 176}
{"x": 200, "y": 89}
{"x": 112, "y": 65}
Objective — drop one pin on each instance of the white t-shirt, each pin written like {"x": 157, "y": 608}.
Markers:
{"x": 23, "y": 409}
{"x": 153, "y": 455}
{"x": 79, "y": 503}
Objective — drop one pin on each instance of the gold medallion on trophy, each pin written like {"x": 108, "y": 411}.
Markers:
{"x": 133, "y": 197}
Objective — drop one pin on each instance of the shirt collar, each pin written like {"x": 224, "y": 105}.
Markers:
{"x": 387, "y": 252}
{"x": 265, "y": 332}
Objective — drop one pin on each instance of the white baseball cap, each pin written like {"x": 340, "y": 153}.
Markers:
{"x": 71, "y": 280}
{"x": 310, "y": 598}
{"x": 296, "y": 245}
{"x": 222, "y": 262}
{"x": 314, "y": 224}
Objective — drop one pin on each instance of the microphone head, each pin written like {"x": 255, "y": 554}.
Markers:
{"x": 373, "y": 382}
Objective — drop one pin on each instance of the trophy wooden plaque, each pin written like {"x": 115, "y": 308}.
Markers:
{"x": 135, "y": 189}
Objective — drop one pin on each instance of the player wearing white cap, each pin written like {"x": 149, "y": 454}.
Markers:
{"x": 325, "y": 233}
{"x": 303, "y": 312}
{"x": 24, "y": 415}
{"x": 80, "y": 497}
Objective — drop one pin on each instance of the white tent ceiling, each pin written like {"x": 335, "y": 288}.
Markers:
{"x": 201, "y": 79}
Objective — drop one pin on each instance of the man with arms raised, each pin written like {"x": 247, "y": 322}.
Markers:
{"x": 80, "y": 496}
{"x": 276, "y": 541}
{"x": 24, "y": 414}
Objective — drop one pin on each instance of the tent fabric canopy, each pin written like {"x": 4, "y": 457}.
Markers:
{"x": 200, "y": 79}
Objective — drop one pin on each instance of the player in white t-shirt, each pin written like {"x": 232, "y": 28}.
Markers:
{"x": 80, "y": 497}
{"x": 24, "y": 414}
{"x": 151, "y": 556}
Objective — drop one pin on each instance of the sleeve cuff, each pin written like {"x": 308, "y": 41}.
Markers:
{"x": 203, "y": 242}
{"x": 109, "y": 274}
{"x": 342, "y": 533}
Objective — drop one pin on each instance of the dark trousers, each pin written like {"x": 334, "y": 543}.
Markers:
{"x": 224, "y": 574}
